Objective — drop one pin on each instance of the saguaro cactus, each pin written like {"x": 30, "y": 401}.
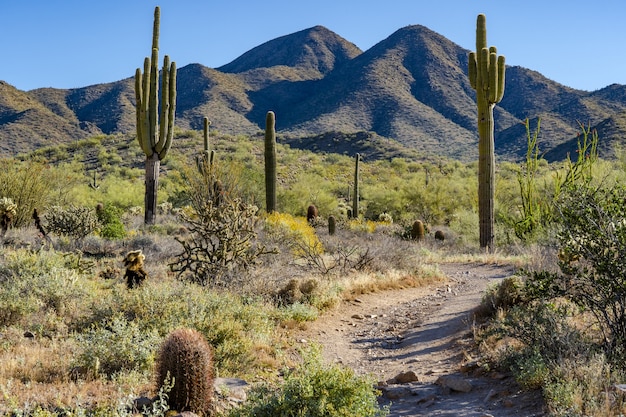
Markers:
{"x": 486, "y": 75}
{"x": 155, "y": 131}
{"x": 270, "y": 162}
{"x": 355, "y": 191}
{"x": 206, "y": 157}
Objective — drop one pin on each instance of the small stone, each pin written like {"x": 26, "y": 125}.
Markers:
{"x": 507, "y": 403}
{"x": 141, "y": 403}
{"x": 455, "y": 383}
{"x": 29, "y": 335}
{"x": 357, "y": 316}
{"x": 394, "y": 393}
{"x": 404, "y": 378}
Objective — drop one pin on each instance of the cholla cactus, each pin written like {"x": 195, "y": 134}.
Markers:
{"x": 135, "y": 274}
{"x": 8, "y": 211}
{"x": 74, "y": 222}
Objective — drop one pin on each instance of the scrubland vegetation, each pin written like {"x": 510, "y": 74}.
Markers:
{"x": 74, "y": 340}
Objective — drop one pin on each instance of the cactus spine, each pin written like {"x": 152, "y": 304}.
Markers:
{"x": 355, "y": 191}
{"x": 187, "y": 360}
{"x": 486, "y": 74}
{"x": 270, "y": 162}
{"x": 155, "y": 131}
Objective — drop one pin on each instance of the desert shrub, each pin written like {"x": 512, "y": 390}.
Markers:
{"x": 584, "y": 387}
{"x": 33, "y": 184}
{"x": 74, "y": 222}
{"x": 222, "y": 235}
{"x": 315, "y": 390}
{"x": 503, "y": 295}
{"x": 592, "y": 263}
{"x": 40, "y": 284}
{"x": 295, "y": 232}
{"x": 116, "y": 345}
{"x": 110, "y": 218}
{"x": 232, "y": 326}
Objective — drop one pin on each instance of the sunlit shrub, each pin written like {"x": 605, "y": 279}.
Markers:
{"x": 315, "y": 390}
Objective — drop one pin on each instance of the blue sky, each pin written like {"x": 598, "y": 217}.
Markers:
{"x": 76, "y": 43}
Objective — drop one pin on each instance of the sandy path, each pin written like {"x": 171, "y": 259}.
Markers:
{"x": 427, "y": 331}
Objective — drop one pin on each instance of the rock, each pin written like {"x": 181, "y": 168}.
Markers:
{"x": 455, "y": 383}
{"x": 394, "y": 393}
{"x": 232, "y": 388}
{"x": 357, "y": 316}
{"x": 404, "y": 378}
{"x": 141, "y": 403}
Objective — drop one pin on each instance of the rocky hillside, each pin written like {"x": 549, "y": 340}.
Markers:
{"x": 410, "y": 88}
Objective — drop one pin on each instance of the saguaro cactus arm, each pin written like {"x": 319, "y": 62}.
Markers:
{"x": 155, "y": 131}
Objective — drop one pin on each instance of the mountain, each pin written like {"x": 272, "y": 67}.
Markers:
{"x": 408, "y": 93}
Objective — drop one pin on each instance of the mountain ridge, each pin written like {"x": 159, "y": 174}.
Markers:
{"x": 410, "y": 87}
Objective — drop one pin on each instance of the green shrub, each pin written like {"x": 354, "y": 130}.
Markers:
{"x": 592, "y": 240}
{"x": 40, "y": 283}
{"x": 110, "y": 218}
{"x": 504, "y": 295}
{"x": 315, "y": 390}
{"x": 33, "y": 184}
{"x": 116, "y": 345}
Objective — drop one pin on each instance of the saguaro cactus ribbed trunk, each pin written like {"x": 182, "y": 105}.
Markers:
{"x": 355, "y": 196}
{"x": 270, "y": 162}
{"x": 486, "y": 75}
{"x": 155, "y": 131}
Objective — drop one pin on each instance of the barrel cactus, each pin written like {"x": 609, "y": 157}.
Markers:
{"x": 186, "y": 359}
{"x": 332, "y": 225}
{"x": 417, "y": 230}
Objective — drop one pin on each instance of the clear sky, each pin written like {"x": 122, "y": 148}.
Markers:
{"x": 76, "y": 43}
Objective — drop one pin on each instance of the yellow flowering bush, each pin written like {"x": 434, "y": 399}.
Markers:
{"x": 296, "y": 231}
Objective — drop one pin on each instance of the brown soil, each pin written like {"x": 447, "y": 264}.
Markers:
{"x": 427, "y": 331}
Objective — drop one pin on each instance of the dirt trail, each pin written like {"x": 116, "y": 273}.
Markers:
{"x": 425, "y": 333}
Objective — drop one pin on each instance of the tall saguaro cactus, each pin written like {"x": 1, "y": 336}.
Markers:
{"x": 486, "y": 75}
{"x": 270, "y": 162}
{"x": 155, "y": 131}
{"x": 355, "y": 196}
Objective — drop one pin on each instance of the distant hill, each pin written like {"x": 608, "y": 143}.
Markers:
{"x": 410, "y": 91}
